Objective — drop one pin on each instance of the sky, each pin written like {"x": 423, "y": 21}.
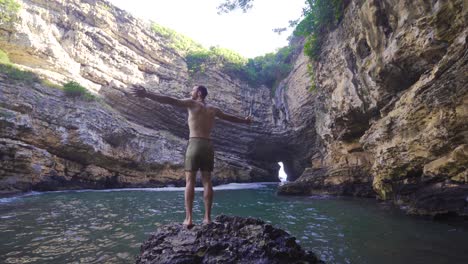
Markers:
{"x": 249, "y": 34}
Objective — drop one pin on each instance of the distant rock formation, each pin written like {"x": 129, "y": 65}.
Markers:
{"x": 229, "y": 239}
{"x": 389, "y": 113}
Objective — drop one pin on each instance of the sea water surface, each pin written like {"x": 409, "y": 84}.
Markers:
{"x": 108, "y": 226}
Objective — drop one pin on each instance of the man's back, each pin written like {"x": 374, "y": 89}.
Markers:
{"x": 201, "y": 119}
{"x": 200, "y": 154}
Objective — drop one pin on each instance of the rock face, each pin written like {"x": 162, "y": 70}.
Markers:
{"x": 390, "y": 108}
{"x": 229, "y": 239}
{"x": 49, "y": 141}
{"x": 388, "y": 116}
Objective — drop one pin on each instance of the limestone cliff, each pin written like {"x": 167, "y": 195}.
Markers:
{"x": 387, "y": 117}
{"x": 49, "y": 141}
{"x": 390, "y": 108}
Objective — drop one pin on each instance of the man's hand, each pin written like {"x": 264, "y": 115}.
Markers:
{"x": 139, "y": 91}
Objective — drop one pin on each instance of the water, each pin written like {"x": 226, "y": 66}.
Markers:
{"x": 109, "y": 226}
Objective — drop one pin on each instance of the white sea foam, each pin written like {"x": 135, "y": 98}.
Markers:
{"x": 321, "y": 197}
{"x": 6, "y": 216}
{"x": 14, "y": 198}
{"x": 230, "y": 186}
{"x": 8, "y": 200}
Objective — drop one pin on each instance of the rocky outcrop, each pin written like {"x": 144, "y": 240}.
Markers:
{"x": 390, "y": 107}
{"x": 50, "y": 142}
{"x": 347, "y": 181}
{"x": 229, "y": 239}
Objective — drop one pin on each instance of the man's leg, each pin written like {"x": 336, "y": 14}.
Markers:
{"x": 207, "y": 195}
{"x": 189, "y": 196}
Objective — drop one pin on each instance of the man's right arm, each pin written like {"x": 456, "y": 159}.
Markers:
{"x": 142, "y": 92}
{"x": 232, "y": 118}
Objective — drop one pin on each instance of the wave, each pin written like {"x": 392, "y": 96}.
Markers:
{"x": 17, "y": 197}
{"x": 229, "y": 186}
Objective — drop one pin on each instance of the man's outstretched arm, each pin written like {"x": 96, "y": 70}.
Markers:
{"x": 139, "y": 91}
{"x": 232, "y": 118}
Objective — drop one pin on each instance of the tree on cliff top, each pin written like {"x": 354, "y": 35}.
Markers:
{"x": 318, "y": 18}
{"x": 267, "y": 70}
{"x": 230, "y": 5}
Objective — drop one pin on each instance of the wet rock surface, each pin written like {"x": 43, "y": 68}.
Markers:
{"x": 229, "y": 239}
{"x": 351, "y": 181}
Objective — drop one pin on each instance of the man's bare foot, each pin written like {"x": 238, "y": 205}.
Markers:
{"x": 188, "y": 224}
{"x": 207, "y": 221}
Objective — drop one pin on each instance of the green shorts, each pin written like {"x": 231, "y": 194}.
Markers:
{"x": 199, "y": 155}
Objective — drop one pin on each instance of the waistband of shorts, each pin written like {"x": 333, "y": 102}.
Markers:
{"x": 199, "y": 138}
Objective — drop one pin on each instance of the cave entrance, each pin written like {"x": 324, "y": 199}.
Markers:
{"x": 281, "y": 173}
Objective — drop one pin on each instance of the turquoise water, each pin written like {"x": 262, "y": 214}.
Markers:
{"x": 109, "y": 226}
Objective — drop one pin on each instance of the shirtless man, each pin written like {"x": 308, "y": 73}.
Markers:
{"x": 199, "y": 154}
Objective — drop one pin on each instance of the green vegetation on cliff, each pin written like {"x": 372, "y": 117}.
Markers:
{"x": 8, "y": 10}
{"x": 320, "y": 17}
{"x": 225, "y": 59}
{"x": 270, "y": 68}
{"x": 179, "y": 42}
{"x": 75, "y": 90}
{"x": 14, "y": 74}
{"x": 267, "y": 70}
{"x": 4, "y": 59}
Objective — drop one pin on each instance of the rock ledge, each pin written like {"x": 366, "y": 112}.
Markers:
{"x": 229, "y": 239}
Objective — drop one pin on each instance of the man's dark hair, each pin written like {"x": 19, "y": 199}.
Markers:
{"x": 202, "y": 89}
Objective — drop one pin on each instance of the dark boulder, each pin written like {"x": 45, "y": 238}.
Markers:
{"x": 229, "y": 239}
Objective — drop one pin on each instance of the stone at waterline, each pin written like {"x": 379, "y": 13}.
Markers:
{"x": 229, "y": 239}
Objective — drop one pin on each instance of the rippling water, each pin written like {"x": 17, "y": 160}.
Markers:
{"x": 109, "y": 226}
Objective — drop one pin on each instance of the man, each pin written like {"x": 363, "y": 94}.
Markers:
{"x": 199, "y": 154}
